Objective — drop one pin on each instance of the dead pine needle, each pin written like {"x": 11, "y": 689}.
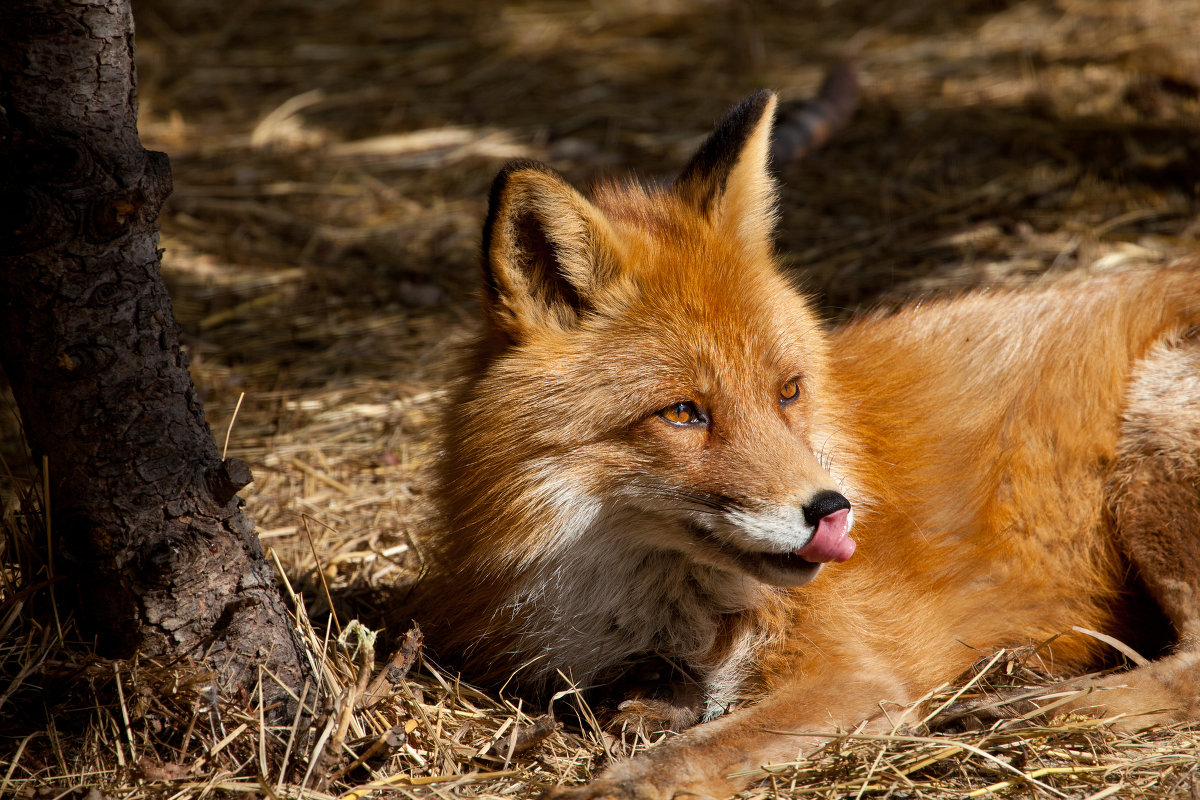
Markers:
{"x": 1114, "y": 642}
{"x": 50, "y": 542}
{"x": 125, "y": 727}
{"x": 321, "y": 574}
{"x": 287, "y": 750}
{"x": 232, "y": 420}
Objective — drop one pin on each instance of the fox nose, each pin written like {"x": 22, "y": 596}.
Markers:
{"x": 824, "y": 504}
{"x": 828, "y": 514}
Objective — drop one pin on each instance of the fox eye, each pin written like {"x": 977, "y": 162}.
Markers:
{"x": 789, "y": 391}
{"x": 683, "y": 413}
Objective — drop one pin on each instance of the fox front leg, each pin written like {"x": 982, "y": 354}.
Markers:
{"x": 678, "y": 768}
{"x": 720, "y": 758}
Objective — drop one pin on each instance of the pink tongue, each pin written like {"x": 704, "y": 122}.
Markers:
{"x": 830, "y": 542}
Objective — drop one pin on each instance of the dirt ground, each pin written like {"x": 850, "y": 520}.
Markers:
{"x": 332, "y": 158}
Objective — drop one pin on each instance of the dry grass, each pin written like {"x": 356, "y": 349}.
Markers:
{"x": 331, "y": 163}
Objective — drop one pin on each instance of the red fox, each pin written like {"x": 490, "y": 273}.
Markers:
{"x": 658, "y": 447}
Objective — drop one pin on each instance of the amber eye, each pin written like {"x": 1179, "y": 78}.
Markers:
{"x": 789, "y": 391}
{"x": 683, "y": 413}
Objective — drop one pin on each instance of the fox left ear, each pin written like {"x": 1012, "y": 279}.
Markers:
{"x": 548, "y": 252}
{"x": 728, "y": 179}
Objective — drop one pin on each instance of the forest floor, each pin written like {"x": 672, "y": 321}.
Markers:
{"x": 331, "y": 162}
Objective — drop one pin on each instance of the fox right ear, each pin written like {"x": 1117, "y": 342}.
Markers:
{"x": 547, "y": 251}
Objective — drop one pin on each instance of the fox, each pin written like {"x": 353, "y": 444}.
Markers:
{"x": 658, "y": 448}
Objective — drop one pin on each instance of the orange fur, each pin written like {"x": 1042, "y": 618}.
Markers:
{"x": 980, "y": 441}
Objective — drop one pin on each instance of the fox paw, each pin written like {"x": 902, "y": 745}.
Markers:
{"x": 607, "y": 790}
{"x": 651, "y": 716}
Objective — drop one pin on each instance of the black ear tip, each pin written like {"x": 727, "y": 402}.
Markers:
{"x": 748, "y": 113}
{"x": 720, "y": 151}
{"x": 522, "y": 164}
{"x": 508, "y": 170}
{"x": 755, "y": 104}
{"x": 500, "y": 184}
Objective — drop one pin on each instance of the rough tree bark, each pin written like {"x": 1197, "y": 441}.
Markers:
{"x": 147, "y": 525}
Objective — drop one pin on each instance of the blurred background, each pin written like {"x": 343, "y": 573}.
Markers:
{"x": 332, "y": 158}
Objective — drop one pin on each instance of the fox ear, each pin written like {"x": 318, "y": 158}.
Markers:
{"x": 728, "y": 179}
{"x": 547, "y": 251}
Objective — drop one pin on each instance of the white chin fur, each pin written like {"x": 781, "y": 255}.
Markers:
{"x": 779, "y": 530}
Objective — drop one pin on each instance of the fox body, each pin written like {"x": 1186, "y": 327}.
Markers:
{"x": 656, "y": 445}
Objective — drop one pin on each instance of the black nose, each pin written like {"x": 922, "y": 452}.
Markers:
{"x": 824, "y": 504}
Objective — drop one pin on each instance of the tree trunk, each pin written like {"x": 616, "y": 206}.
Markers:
{"x": 147, "y": 526}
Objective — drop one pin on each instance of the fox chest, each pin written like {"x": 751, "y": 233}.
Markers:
{"x": 616, "y": 606}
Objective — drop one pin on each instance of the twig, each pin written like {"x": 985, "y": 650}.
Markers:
{"x": 395, "y": 670}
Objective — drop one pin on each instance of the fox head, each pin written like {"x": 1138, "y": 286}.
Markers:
{"x": 649, "y": 381}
